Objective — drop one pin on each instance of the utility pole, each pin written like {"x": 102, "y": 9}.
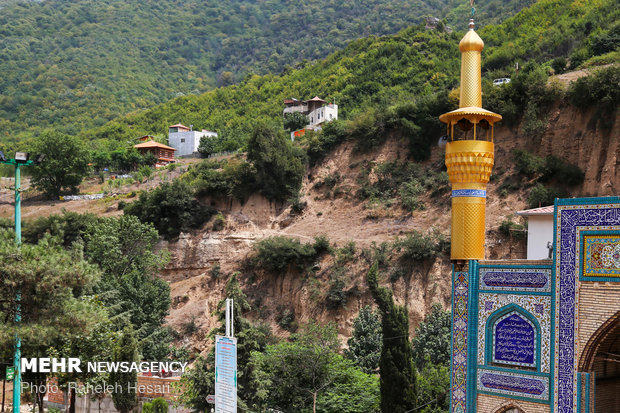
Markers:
{"x": 21, "y": 159}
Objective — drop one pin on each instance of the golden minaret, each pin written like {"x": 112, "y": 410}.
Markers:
{"x": 469, "y": 154}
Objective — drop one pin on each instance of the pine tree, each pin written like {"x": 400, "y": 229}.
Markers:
{"x": 398, "y": 376}
{"x": 124, "y": 395}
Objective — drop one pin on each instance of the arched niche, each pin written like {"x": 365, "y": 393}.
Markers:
{"x": 513, "y": 338}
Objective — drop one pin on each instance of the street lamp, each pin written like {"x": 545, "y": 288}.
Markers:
{"x": 21, "y": 159}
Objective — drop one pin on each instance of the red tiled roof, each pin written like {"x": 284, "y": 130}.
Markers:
{"x": 546, "y": 210}
{"x": 153, "y": 144}
{"x": 178, "y": 125}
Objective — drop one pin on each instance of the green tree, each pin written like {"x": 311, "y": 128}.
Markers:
{"x": 292, "y": 374}
{"x": 65, "y": 165}
{"x": 398, "y": 375}
{"x": 352, "y": 391}
{"x": 431, "y": 342}
{"x": 124, "y": 394}
{"x": 208, "y": 145}
{"x": 434, "y": 388}
{"x": 295, "y": 121}
{"x": 279, "y": 169}
{"x": 124, "y": 249}
{"x": 96, "y": 345}
{"x": 199, "y": 381}
{"x": 366, "y": 342}
{"x": 52, "y": 283}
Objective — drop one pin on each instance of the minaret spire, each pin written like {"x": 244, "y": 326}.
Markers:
{"x": 469, "y": 153}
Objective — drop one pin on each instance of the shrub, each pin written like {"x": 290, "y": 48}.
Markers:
{"x": 219, "y": 222}
{"x": 563, "y": 172}
{"x": 171, "y": 208}
{"x": 409, "y": 192}
{"x": 540, "y": 195}
{"x": 507, "y": 226}
{"x": 321, "y": 244}
{"x": 70, "y": 227}
{"x": 526, "y": 163}
{"x": 286, "y": 320}
{"x": 419, "y": 247}
{"x": 346, "y": 253}
{"x": 599, "y": 90}
{"x": 297, "y": 205}
{"x": 533, "y": 125}
{"x": 279, "y": 166}
{"x": 319, "y": 144}
{"x": 277, "y": 253}
{"x": 336, "y": 296}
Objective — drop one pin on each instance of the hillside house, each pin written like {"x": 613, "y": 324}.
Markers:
{"x": 316, "y": 109}
{"x": 186, "y": 140}
{"x": 163, "y": 153}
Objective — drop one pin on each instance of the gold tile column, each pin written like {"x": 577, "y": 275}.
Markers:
{"x": 470, "y": 159}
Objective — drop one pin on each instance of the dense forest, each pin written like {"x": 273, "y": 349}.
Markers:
{"x": 74, "y": 65}
{"x": 373, "y": 74}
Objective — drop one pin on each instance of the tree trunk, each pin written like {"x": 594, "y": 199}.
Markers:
{"x": 72, "y": 402}
{"x": 314, "y": 402}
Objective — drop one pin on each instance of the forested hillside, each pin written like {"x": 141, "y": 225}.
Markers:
{"x": 74, "y": 65}
{"x": 416, "y": 68}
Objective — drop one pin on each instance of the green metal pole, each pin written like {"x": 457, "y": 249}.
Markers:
{"x": 18, "y": 206}
{"x": 17, "y": 381}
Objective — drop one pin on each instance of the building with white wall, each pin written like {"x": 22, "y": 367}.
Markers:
{"x": 186, "y": 140}
{"x": 316, "y": 109}
{"x": 539, "y": 232}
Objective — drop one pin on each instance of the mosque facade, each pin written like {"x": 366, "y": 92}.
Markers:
{"x": 527, "y": 335}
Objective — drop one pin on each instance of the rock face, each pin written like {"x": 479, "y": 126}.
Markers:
{"x": 203, "y": 261}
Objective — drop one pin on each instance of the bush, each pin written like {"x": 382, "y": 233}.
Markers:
{"x": 507, "y": 226}
{"x": 543, "y": 196}
{"x": 336, "y": 296}
{"x": 69, "y": 227}
{"x": 419, "y": 247}
{"x": 277, "y": 253}
{"x": 599, "y": 90}
{"x": 526, "y": 163}
{"x": 171, "y": 208}
{"x": 158, "y": 405}
{"x": 563, "y": 172}
{"x": 219, "y": 222}
{"x": 321, "y": 244}
{"x": 319, "y": 144}
{"x": 286, "y": 320}
{"x": 297, "y": 205}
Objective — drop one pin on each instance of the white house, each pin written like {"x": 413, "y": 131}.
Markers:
{"x": 539, "y": 232}
{"x": 186, "y": 140}
{"x": 316, "y": 109}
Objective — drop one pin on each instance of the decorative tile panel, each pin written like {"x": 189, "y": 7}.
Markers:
{"x": 601, "y": 256}
{"x": 572, "y": 218}
{"x": 516, "y": 279}
{"x": 514, "y": 340}
{"x": 513, "y": 384}
{"x": 529, "y": 303}
{"x": 460, "y": 296}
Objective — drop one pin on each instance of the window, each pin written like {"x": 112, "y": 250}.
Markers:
{"x": 182, "y": 140}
